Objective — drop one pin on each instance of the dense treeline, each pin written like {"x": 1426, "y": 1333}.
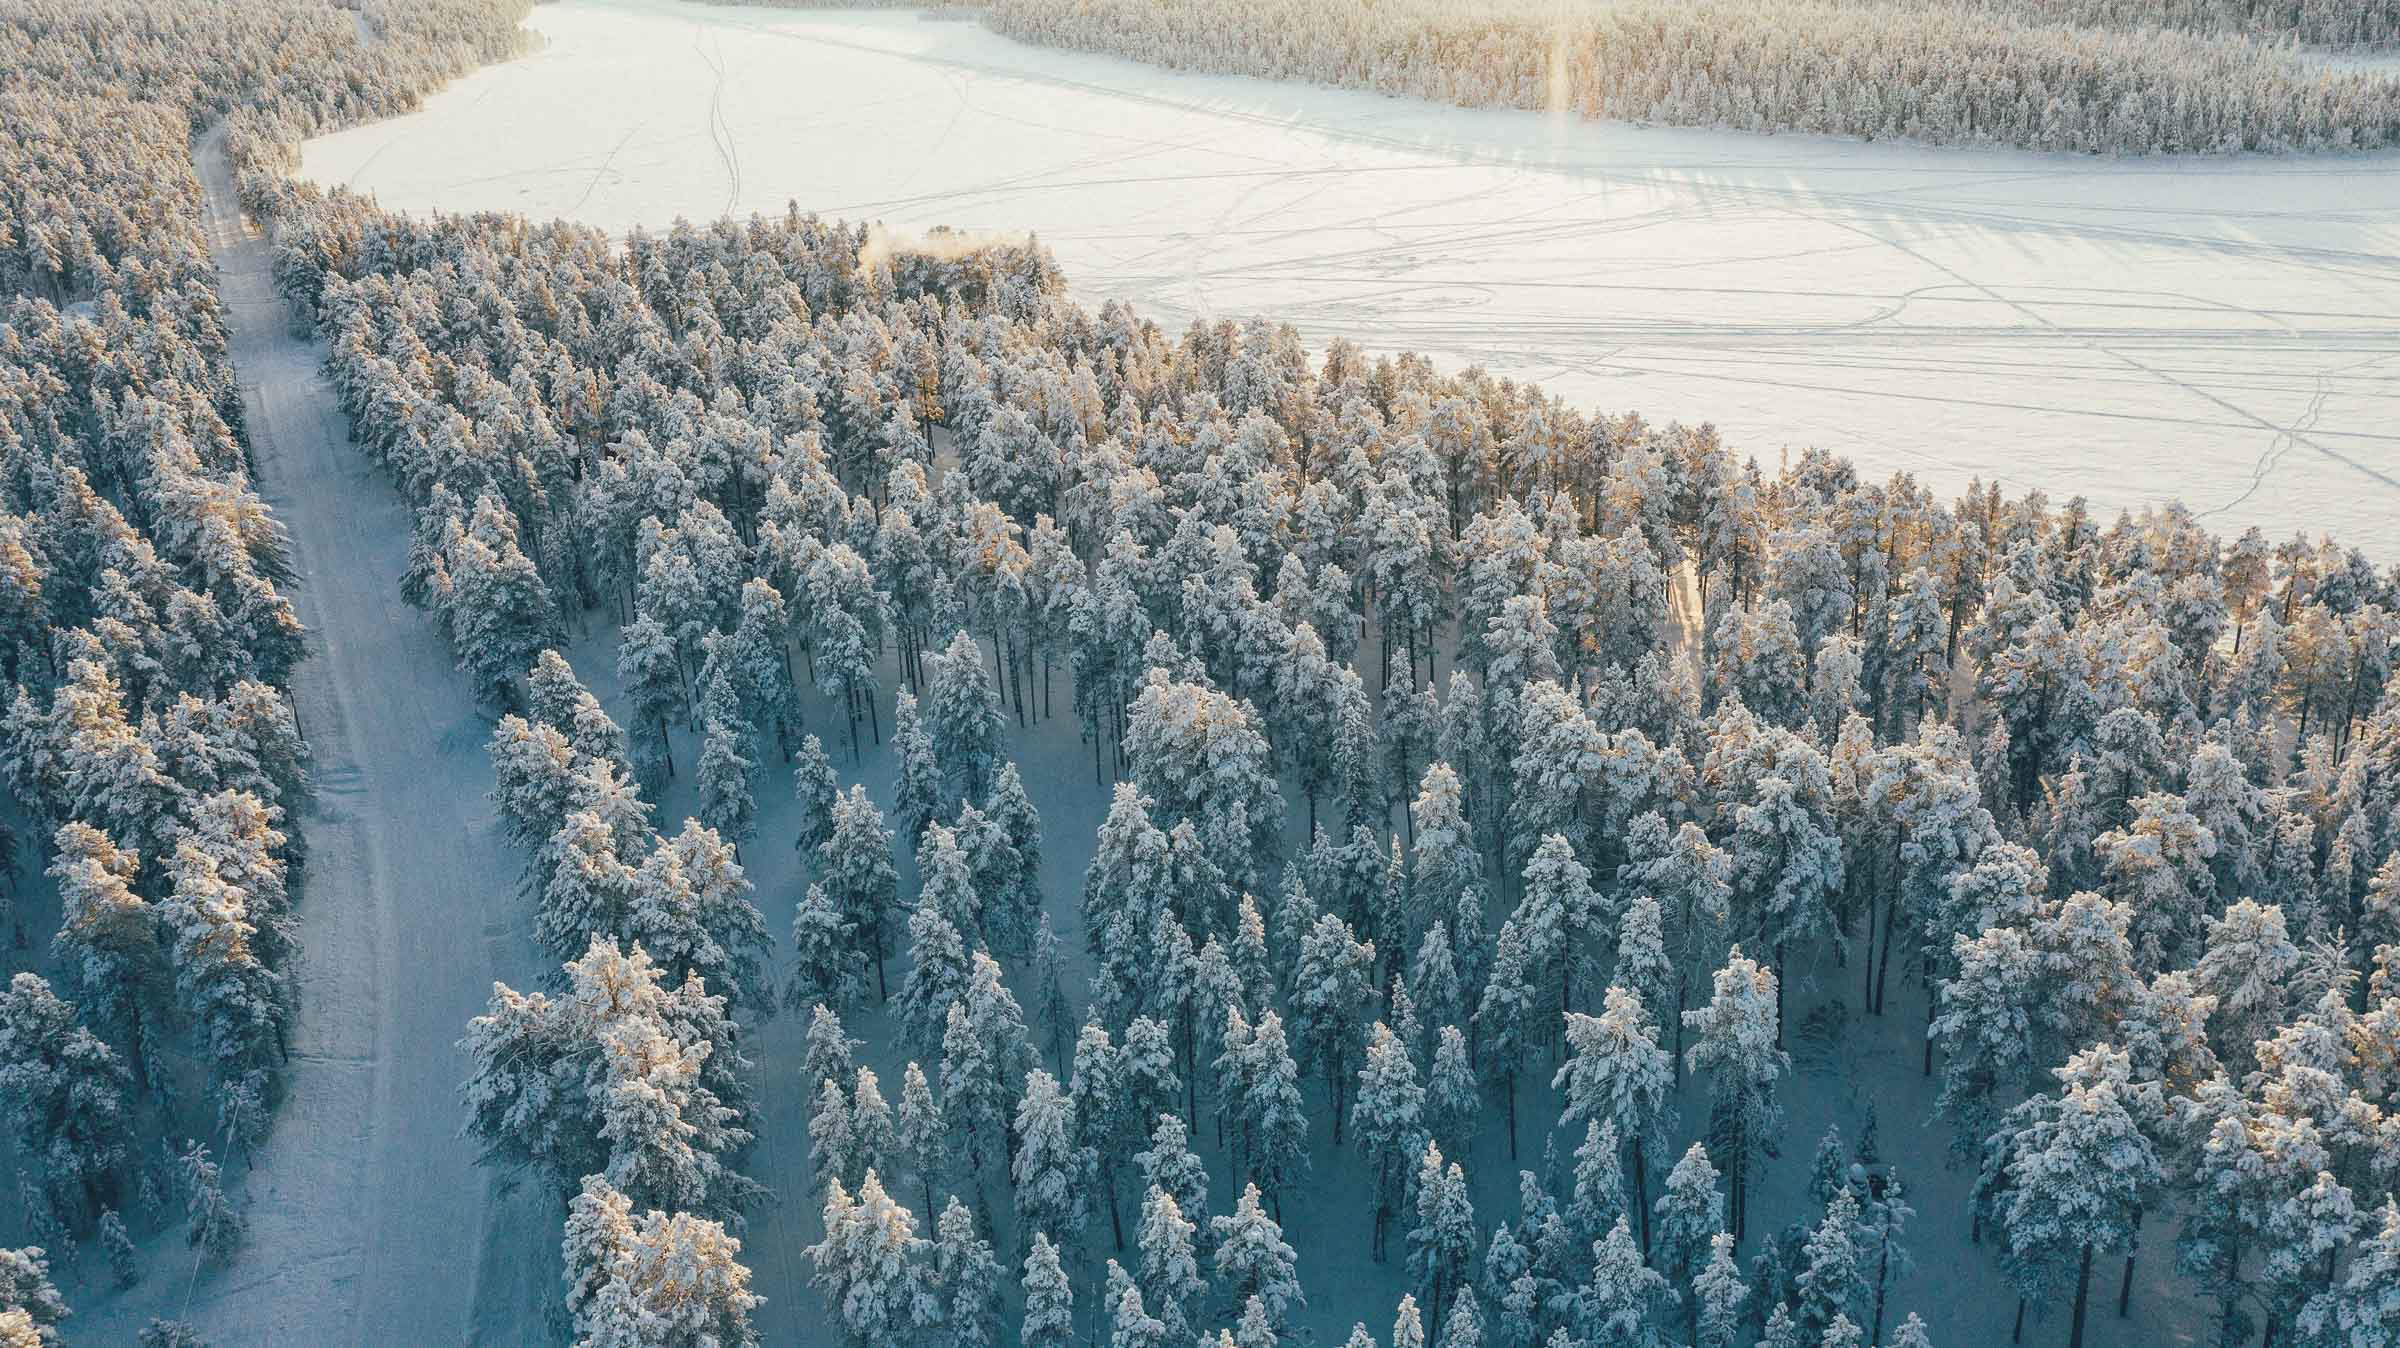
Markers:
{"x": 149, "y": 737}
{"x": 2054, "y": 76}
{"x": 2109, "y": 805}
{"x": 2331, "y": 22}
{"x": 1935, "y": 72}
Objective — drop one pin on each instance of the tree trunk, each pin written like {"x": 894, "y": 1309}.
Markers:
{"x": 2083, "y": 1290}
{"x": 1641, "y": 1193}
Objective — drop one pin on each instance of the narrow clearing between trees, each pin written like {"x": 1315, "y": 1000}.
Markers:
{"x": 370, "y": 1221}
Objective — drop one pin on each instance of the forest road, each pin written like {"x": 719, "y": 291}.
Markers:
{"x": 370, "y": 1222}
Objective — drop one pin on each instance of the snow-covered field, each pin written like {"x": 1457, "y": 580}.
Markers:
{"x": 2222, "y": 331}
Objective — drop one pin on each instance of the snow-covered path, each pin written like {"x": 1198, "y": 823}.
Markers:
{"x": 370, "y": 1222}
{"x": 2223, "y": 331}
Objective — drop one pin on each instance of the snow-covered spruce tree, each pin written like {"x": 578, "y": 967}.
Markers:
{"x": 937, "y": 976}
{"x": 1408, "y": 1327}
{"x": 985, "y": 1056}
{"x": 1719, "y": 1295}
{"x": 1169, "y": 1166}
{"x": 1096, "y": 1088}
{"x": 1387, "y": 1121}
{"x": 832, "y": 1152}
{"x": 1053, "y": 1015}
{"x": 874, "y": 1140}
{"x": 1452, "y": 1097}
{"x": 1618, "y": 1075}
{"x": 211, "y": 1224}
{"x": 652, "y": 676}
{"x": 919, "y": 1134}
{"x": 813, "y": 785}
{"x": 726, "y": 801}
{"x": 1831, "y": 1281}
{"x": 1735, "y": 1042}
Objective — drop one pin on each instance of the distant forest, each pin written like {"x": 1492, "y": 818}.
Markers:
{"x": 2117, "y": 77}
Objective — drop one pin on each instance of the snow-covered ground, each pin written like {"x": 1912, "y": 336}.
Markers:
{"x": 2220, "y": 331}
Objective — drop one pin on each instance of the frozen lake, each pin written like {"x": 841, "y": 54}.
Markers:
{"x": 2222, "y": 331}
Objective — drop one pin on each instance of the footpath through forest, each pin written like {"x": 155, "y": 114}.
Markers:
{"x": 370, "y": 1222}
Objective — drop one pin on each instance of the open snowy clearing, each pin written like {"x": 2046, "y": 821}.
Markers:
{"x": 2222, "y": 331}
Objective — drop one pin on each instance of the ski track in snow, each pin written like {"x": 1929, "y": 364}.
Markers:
{"x": 2128, "y": 330}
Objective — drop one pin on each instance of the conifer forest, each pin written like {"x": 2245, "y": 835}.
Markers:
{"x": 771, "y": 780}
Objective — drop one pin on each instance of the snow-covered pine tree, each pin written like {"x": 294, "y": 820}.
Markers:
{"x": 30, "y": 1306}
{"x": 966, "y": 1278}
{"x": 1618, "y": 1308}
{"x": 869, "y": 1266}
{"x": 1332, "y": 994}
{"x": 1720, "y": 1296}
{"x": 857, "y": 873}
{"x": 1052, "y": 1173}
{"x": 672, "y": 1280}
{"x": 1503, "y": 1021}
{"x": 2076, "y": 1169}
{"x": 1736, "y": 1043}
{"x": 1049, "y": 1298}
{"x": 1252, "y": 1259}
{"x": 1618, "y": 1074}
{"x": 65, "y": 1093}
{"x": 107, "y": 940}
{"x": 1170, "y": 1270}
{"x": 1441, "y": 1243}
{"x": 964, "y": 718}
{"x": 917, "y": 790}
{"x": 1387, "y": 1122}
